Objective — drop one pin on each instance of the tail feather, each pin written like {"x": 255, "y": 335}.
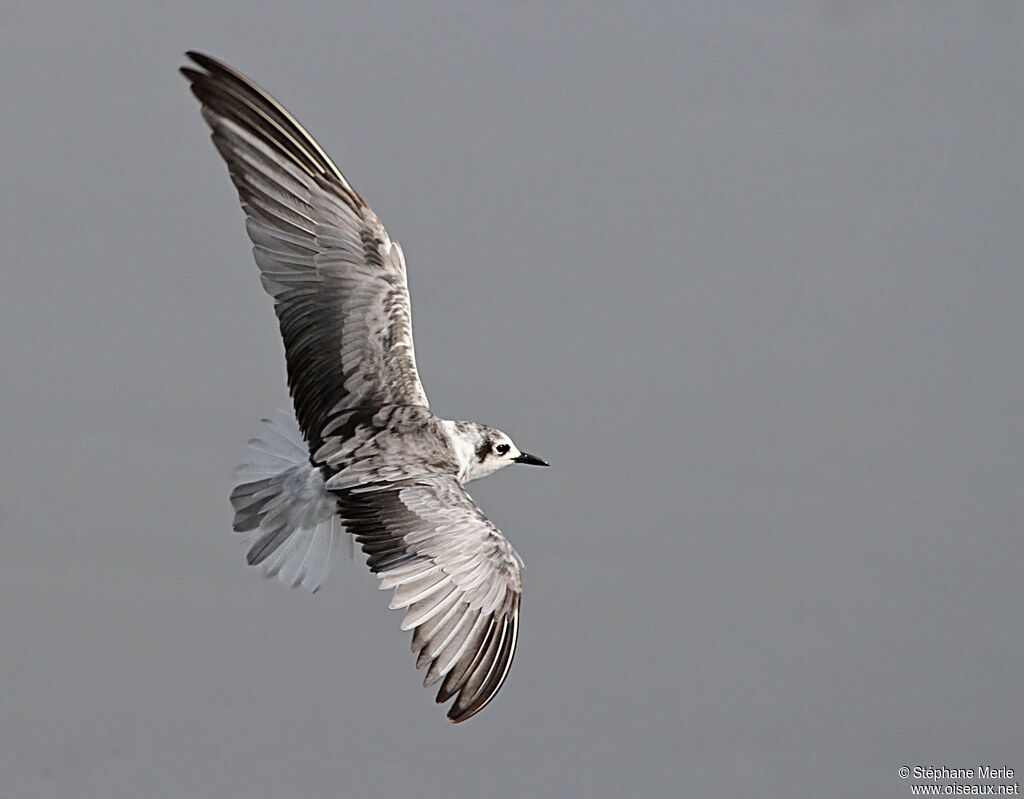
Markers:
{"x": 286, "y": 515}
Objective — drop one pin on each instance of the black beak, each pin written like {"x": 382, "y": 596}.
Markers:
{"x": 530, "y": 460}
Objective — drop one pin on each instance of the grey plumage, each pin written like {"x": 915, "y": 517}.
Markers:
{"x": 337, "y": 279}
{"x": 367, "y": 458}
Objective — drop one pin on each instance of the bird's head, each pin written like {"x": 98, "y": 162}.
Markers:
{"x": 482, "y": 450}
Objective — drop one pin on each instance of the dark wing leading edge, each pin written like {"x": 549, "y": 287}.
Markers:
{"x": 455, "y": 573}
{"x": 337, "y": 279}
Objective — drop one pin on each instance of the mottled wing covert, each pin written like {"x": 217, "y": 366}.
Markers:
{"x": 455, "y": 573}
{"x": 337, "y": 279}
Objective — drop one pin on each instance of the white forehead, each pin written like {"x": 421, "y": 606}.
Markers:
{"x": 469, "y": 441}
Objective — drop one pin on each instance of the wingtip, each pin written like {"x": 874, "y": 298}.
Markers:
{"x": 195, "y": 57}
{"x": 206, "y": 62}
{"x": 459, "y": 718}
{"x": 202, "y": 59}
{"x": 455, "y": 714}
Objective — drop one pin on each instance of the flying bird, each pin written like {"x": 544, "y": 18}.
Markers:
{"x": 363, "y": 456}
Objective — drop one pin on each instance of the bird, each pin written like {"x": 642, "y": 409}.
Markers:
{"x": 362, "y": 457}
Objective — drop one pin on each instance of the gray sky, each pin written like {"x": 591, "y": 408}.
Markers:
{"x": 748, "y": 274}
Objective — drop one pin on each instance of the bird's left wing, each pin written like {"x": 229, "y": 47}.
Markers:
{"x": 455, "y": 573}
{"x": 338, "y": 281}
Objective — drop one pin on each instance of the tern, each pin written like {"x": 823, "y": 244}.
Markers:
{"x": 363, "y": 456}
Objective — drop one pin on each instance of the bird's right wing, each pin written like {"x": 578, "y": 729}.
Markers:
{"x": 455, "y": 573}
{"x": 337, "y": 279}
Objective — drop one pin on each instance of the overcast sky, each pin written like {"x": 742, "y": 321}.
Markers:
{"x": 748, "y": 274}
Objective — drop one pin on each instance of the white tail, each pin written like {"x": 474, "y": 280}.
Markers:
{"x": 288, "y": 518}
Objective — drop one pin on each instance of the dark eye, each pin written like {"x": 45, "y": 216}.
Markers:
{"x": 501, "y": 449}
